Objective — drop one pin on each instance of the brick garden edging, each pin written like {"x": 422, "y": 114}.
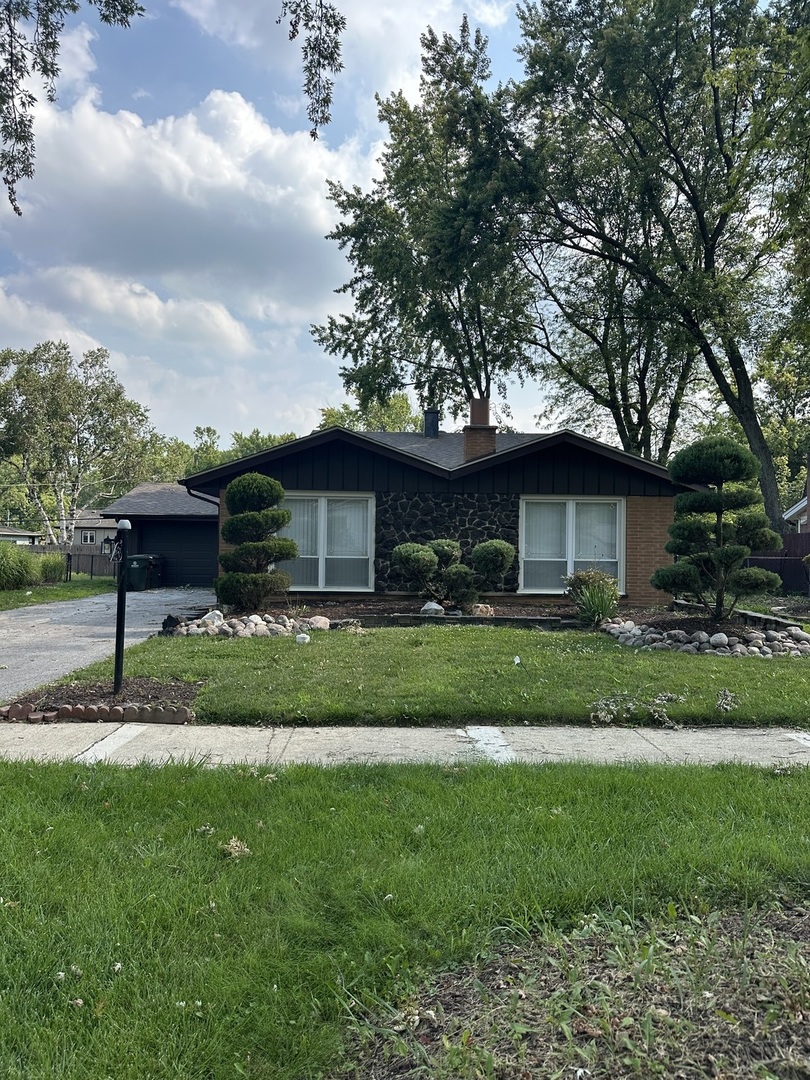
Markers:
{"x": 25, "y": 712}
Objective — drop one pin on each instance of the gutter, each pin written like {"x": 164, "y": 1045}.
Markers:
{"x": 198, "y": 495}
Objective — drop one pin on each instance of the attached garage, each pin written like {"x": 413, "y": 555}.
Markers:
{"x": 169, "y": 522}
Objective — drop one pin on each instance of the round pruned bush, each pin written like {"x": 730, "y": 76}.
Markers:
{"x": 447, "y": 552}
{"x": 252, "y": 492}
{"x": 254, "y": 526}
{"x": 492, "y": 559}
{"x": 19, "y": 568}
{"x": 250, "y": 592}
{"x": 417, "y": 565}
{"x": 257, "y": 558}
{"x": 460, "y": 586}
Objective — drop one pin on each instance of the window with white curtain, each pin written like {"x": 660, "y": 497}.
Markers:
{"x": 334, "y": 534}
{"x": 559, "y": 536}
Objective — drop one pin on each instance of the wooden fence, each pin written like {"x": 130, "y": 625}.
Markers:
{"x": 787, "y": 563}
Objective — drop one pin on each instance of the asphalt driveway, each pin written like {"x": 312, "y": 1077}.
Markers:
{"x": 41, "y": 643}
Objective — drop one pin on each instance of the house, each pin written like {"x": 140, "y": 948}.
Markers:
{"x": 92, "y": 529}
{"x": 19, "y": 536}
{"x": 796, "y": 516}
{"x": 564, "y": 501}
{"x": 166, "y": 520}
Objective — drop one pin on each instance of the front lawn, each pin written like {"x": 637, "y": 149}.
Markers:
{"x": 458, "y": 675}
{"x": 81, "y": 586}
{"x": 189, "y": 922}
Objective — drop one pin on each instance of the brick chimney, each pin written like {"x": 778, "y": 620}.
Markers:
{"x": 479, "y": 434}
{"x": 431, "y": 423}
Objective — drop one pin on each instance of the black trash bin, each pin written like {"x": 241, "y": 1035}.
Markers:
{"x": 144, "y": 572}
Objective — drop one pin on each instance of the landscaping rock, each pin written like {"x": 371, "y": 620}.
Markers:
{"x": 793, "y": 641}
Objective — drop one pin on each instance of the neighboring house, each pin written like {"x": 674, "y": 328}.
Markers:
{"x": 92, "y": 529}
{"x": 796, "y": 516}
{"x": 563, "y": 500}
{"x": 167, "y": 521}
{"x": 18, "y": 536}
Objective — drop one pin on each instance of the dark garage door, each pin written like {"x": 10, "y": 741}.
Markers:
{"x": 189, "y": 549}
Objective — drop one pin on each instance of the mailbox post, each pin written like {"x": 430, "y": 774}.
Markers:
{"x": 124, "y": 528}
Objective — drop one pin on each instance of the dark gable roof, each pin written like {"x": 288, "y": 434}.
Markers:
{"x": 159, "y": 500}
{"x": 444, "y": 455}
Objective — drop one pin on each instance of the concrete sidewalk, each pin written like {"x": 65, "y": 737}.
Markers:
{"x": 128, "y": 744}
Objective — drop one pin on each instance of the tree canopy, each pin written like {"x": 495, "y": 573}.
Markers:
{"x": 395, "y": 415}
{"x": 438, "y": 301}
{"x": 695, "y": 112}
{"x": 70, "y": 434}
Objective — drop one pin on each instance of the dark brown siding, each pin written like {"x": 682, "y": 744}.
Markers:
{"x": 189, "y": 549}
{"x": 560, "y": 471}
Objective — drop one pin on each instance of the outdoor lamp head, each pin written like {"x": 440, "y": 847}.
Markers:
{"x": 124, "y": 525}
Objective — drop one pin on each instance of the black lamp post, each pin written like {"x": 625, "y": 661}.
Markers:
{"x": 124, "y": 528}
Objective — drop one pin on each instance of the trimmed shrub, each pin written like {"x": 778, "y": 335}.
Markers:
{"x": 447, "y": 552}
{"x": 249, "y": 580}
{"x": 252, "y": 492}
{"x": 256, "y": 558}
{"x": 460, "y": 586}
{"x": 52, "y": 568}
{"x": 19, "y": 567}
{"x": 715, "y": 530}
{"x": 492, "y": 559}
{"x": 253, "y": 527}
{"x": 418, "y": 567}
{"x": 435, "y": 569}
{"x": 250, "y": 592}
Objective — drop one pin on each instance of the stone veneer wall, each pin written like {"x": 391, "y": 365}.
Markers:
{"x": 405, "y": 517}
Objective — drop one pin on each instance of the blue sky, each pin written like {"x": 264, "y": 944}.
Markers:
{"x": 178, "y": 213}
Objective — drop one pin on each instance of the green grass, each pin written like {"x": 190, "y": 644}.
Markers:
{"x": 458, "y": 675}
{"x": 360, "y": 882}
{"x": 78, "y": 588}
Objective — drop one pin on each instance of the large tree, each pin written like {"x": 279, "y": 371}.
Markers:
{"x": 69, "y": 433}
{"x": 439, "y": 302}
{"x": 696, "y": 112}
{"x": 613, "y": 366}
{"x": 30, "y": 38}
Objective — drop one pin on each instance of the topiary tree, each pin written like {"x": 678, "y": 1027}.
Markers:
{"x": 715, "y": 530}
{"x": 248, "y": 582}
{"x": 435, "y": 569}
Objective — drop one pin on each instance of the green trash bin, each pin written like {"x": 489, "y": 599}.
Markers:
{"x": 143, "y": 572}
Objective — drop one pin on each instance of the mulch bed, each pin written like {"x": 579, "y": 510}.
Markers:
{"x": 135, "y": 691}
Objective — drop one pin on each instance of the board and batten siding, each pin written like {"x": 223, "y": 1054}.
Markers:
{"x": 566, "y": 471}
{"x": 189, "y": 549}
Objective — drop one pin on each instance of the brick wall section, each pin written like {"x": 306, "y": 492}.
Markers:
{"x": 479, "y": 441}
{"x": 647, "y": 520}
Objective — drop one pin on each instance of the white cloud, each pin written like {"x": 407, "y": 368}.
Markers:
{"x": 131, "y": 307}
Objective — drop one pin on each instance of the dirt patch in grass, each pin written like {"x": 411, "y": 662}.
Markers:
{"x": 135, "y": 691}
{"x": 722, "y": 995}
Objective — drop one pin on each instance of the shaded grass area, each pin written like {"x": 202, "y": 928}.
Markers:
{"x": 457, "y": 675}
{"x": 178, "y": 921}
{"x": 81, "y": 586}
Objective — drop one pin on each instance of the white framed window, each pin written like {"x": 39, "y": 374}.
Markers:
{"x": 335, "y": 538}
{"x": 559, "y": 536}
{"x": 88, "y": 536}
